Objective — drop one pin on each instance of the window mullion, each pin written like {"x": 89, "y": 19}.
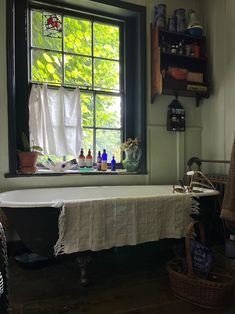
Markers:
{"x": 94, "y": 124}
{"x": 92, "y": 53}
{"x": 94, "y": 94}
{"x": 63, "y": 54}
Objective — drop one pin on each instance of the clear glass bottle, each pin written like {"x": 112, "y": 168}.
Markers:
{"x": 98, "y": 161}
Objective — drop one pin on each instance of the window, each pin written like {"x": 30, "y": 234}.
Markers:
{"x": 109, "y": 69}
{"x": 76, "y": 51}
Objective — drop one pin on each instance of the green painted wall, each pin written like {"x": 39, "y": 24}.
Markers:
{"x": 167, "y": 152}
{"x": 218, "y": 116}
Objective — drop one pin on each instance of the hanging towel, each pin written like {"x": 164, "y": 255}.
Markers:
{"x": 55, "y": 120}
{"x": 228, "y": 205}
{"x": 105, "y": 223}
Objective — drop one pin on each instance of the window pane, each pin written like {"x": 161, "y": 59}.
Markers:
{"x": 46, "y": 66}
{"x": 108, "y": 111}
{"x": 111, "y": 141}
{"x": 87, "y": 109}
{"x": 77, "y": 36}
{"x": 38, "y": 39}
{"x": 88, "y": 141}
{"x": 78, "y": 70}
{"x": 106, "y": 41}
{"x": 106, "y": 75}
{"x": 92, "y": 68}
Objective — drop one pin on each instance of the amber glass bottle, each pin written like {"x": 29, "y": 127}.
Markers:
{"x": 89, "y": 160}
{"x": 81, "y": 159}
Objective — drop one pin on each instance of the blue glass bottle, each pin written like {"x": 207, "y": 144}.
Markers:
{"x": 113, "y": 164}
{"x": 104, "y": 161}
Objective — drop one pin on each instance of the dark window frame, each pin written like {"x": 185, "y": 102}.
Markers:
{"x": 94, "y": 91}
{"x": 135, "y": 67}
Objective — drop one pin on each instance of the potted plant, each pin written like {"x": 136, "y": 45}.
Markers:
{"x": 28, "y": 156}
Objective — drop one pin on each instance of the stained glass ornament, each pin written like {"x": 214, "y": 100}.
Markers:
{"x": 52, "y": 25}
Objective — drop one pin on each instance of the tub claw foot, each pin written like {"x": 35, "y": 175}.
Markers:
{"x": 83, "y": 261}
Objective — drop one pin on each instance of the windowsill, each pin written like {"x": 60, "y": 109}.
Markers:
{"x": 49, "y": 173}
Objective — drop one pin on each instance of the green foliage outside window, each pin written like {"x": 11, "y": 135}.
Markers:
{"x": 87, "y": 55}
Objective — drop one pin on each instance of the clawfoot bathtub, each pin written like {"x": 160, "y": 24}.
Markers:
{"x": 96, "y": 218}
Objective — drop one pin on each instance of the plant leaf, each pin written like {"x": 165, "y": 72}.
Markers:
{"x": 37, "y": 148}
{"x": 25, "y": 142}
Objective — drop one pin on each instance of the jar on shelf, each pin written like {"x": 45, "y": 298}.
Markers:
{"x": 194, "y": 28}
{"x": 180, "y": 20}
{"x": 171, "y": 25}
{"x": 160, "y": 16}
{"x": 196, "y": 48}
{"x": 163, "y": 45}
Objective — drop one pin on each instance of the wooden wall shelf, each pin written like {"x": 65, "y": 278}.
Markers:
{"x": 161, "y": 84}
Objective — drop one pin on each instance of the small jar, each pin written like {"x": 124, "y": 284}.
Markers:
{"x": 188, "y": 50}
{"x": 181, "y": 49}
{"x": 180, "y": 20}
{"x": 160, "y": 16}
{"x": 173, "y": 49}
{"x": 171, "y": 25}
{"x": 196, "y": 51}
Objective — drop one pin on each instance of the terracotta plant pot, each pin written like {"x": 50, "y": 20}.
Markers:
{"x": 28, "y": 162}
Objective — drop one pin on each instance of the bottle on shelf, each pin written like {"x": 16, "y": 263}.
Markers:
{"x": 113, "y": 164}
{"x": 163, "y": 45}
{"x": 81, "y": 160}
{"x": 89, "y": 159}
{"x": 173, "y": 49}
{"x": 196, "y": 48}
{"x": 98, "y": 161}
{"x": 104, "y": 161}
{"x": 181, "y": 48}
{"x": 171, "y": 26}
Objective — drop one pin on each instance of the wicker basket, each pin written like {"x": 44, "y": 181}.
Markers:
{"x": 3, "y": 219}
{"x": 223, "y": 261}
{"x": 188, "y": 286}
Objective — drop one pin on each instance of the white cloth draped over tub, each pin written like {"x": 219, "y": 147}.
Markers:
{"x": 55, "y": 121}
{"x": 102, "y": 224}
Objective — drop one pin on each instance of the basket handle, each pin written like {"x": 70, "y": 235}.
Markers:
{"x": 188, "y": 244}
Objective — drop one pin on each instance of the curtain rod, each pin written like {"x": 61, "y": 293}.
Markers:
{"x": 58, "y": 86}
{"x": 73, "y": 87}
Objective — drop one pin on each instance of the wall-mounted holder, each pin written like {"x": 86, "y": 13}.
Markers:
{"x": 175, "y": 116}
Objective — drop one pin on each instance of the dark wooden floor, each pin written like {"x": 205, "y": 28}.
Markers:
{"x": 124, "y": 280}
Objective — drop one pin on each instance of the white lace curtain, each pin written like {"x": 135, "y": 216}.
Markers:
{"x": 55, "y": 120}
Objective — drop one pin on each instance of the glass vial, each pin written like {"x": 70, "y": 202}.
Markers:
{"x": 104, "y": 161}
{"x": 98, "y": 161}
{"x": 113, "y": 164}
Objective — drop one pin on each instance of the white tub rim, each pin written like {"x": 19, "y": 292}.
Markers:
{"x": 7, "y": 198}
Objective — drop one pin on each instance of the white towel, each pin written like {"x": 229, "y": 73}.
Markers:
{"x": 55, "y": 120}
{"x": 102, "y": 224}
